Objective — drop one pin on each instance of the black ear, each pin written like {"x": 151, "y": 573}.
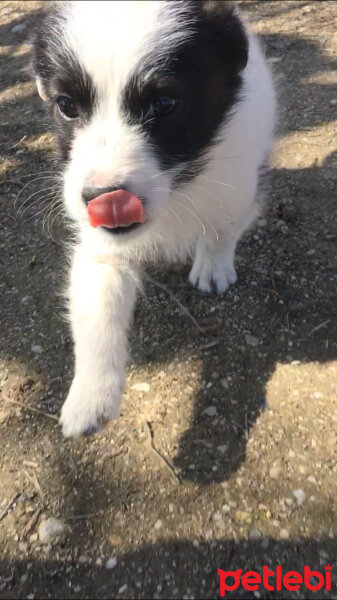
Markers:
{"x": 221, "y": 21}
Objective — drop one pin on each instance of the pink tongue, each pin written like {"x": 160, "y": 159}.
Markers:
{"x": 115, "y": 209}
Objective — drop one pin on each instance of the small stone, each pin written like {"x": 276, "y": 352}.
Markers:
{"x": 123, "y": 588}
{"x": 18, "y": 28}
{"x": 77, "y": 589}
{"x": 24, "y": 578}
{"x": 215, "y": 375}
{"x": 82, "y": 560}
{"x": 225, "y": 508}
{"x": 23, "y": 547}
{"x": 251, "y": 340}
{"x": 284, "y": 534}
{"x": 210, "y": 411}
{"x": 255, "y": 534}
{"x": 242, "y": 516}
{"x": 50, "y": 529}
{"x": 299, "y": 495}
{"x": 224, "y": 384}
{"x": 141, "y": 387}
{"x": 222, "y": 448}
{"x": 36, "y": 349}
{"x": 33, "y": 538}
{"x": 115, "y": 540}
{"x": 99, "y": 562}
{"x": 26, "y": 299}
{"x": 275, "y": 472}
{"x": 158, "y": 525}
{"x": 262, "y": 403}
{"x": 171, "y": 508}
{"x": 111, "y": 563}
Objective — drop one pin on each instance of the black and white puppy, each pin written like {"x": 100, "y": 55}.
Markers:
{"x": 163, "y": 113}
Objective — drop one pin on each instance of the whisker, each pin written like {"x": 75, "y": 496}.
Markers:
{"x": 175, "y": 215}
{"x": 48, "y": 198}
{"x": 57, "y": 210}
{"x": 192, "y": 213}
{"x": 216, "y": 181}
{"x": 29, "y": 183}
{"x": 26, "y": 204}
{"x": 188, "y": 198}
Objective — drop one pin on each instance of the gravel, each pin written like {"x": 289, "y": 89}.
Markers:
{"x": 253, "y": 481}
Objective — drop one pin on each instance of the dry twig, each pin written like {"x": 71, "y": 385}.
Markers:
{"x": 31, "y": 408}
{"x": 9, "y": 506}
{"x": 165, "y": 289}
{"x": 31, "y": 523}
{"x": 158, "y": 454}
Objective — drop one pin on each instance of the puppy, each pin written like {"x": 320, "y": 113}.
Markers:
{"x": 163, "y": 114}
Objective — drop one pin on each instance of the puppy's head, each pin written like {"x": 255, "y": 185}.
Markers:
{"x": 138, "y": 92}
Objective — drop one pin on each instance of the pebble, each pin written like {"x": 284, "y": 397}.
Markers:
{"x": 251, "y": 340}
{"x": 224, "y": 384}
{"x": 50, "y": 529}
{"x": 284, "y": 534}
{"x": 171, "y": 508}
{"x": 211, "y": 411}
{"x": 158, "y": 524}
{"x": 299, "y": 495}
{"x": 215, "y": 375}
{"x": 111, "y": 563}
{"x": 23, "y": 547}
{"x": 141, "y": 387}
{"x": 19, "y": 27}
{"x": 123, "y": 588}
{"x": 262, "y": 402}
{"x": 255, "y": 534}
{"x": 24, "y": 578}
{"x": 26, "y": 299}
{"x": 275, "y": 472}
{"x": 115, "y": 540}
{"x": 36, "y": 349}
{"x": 242, "y": 516}
{"x": 222, "y": 448}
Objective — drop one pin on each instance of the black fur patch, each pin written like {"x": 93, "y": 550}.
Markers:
{"x": 204, "y": 76}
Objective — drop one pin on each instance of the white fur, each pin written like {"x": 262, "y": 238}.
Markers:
{"x": 207, "y": 216}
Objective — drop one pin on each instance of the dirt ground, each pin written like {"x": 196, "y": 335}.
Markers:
{"x": 227, "y": 458}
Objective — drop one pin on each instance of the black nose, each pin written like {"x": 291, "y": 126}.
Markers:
{"x": 89, "y": 193}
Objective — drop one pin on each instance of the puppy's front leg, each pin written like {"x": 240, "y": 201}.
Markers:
{"x": 102, "y": 297}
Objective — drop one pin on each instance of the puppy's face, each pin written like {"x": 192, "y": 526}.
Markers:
{"x": 139, "y": 92}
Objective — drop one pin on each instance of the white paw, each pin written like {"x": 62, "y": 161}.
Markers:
{"x": 89, "y": 406}
{"x": 209, "y": 271}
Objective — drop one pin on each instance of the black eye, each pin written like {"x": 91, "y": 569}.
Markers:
{"x": 67, "y": 108}
{"x": 163, "y": 106}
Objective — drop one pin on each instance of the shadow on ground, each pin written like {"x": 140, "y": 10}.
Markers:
{"x": 168, "y": 568}
{"x": 293, "y": 266}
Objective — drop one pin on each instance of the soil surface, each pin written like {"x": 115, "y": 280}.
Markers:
{"x": 225, "y": 456}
